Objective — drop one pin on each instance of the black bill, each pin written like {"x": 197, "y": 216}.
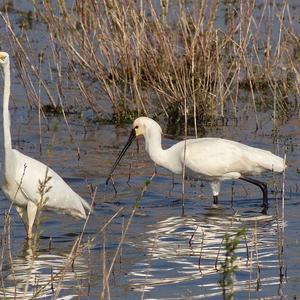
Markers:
{"x": 121, "y": 154}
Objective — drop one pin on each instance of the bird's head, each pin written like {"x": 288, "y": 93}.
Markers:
{"x": 4, "y": 58}
{"x": 141, "y": 126}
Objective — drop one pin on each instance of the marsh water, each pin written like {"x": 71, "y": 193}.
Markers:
{"x": 165, "y": 254}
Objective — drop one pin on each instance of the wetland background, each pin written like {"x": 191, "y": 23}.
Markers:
{"x": 81, "y": 72}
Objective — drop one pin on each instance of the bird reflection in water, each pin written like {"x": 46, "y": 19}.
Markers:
{"x": 43, "y": 274}
{"x": 189, "y": 251}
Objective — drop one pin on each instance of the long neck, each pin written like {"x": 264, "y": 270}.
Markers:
{"x": 153, "y": 147}
{"x": 164, "y": 158}
{"x": 169, "y": 158}
{"x": 5, "y": 111}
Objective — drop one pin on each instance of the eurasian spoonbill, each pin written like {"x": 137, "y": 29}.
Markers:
{"x": 23, "y": 176}
{"x": 210, "y": 159}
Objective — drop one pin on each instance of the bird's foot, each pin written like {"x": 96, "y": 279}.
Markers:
{"x": 214, "y": 205}
{"x": 264, "y": 210}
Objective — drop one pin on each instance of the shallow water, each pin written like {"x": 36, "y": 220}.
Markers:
{"x": 165, "y": 255}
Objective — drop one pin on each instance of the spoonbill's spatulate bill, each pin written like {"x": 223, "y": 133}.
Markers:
{"x": 23, "y": 176}
{"x": 211, "y": 159}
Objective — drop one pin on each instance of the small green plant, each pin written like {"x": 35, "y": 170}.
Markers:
{"x": 144, "y": 189}
{"x": 229, "y": 267}
{"x": 43, "y": 189}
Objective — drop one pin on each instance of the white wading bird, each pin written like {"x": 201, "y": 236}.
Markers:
{"x": 22, "y": 175}
{"x": 211, "y": 159}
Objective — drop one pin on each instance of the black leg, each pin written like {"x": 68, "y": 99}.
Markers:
{"x": 216, "y": 200}
{"x": 264, "y": 189}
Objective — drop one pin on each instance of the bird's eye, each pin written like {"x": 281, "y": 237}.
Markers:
{"x": 136, "y": 127}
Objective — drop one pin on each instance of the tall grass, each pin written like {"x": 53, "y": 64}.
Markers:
{"x": 150, "y": 59}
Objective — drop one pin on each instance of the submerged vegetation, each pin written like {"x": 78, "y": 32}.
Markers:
{"x": 229, "y": 265}
{"x": 193, "y": 59}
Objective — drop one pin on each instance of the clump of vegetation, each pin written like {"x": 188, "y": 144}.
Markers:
{"x": 170, "y": 59}
{"x": 229, "y": 265}
{"x": 43, "y": 188}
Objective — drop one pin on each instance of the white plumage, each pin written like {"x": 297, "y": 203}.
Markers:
{"x": 211, "y": 159}
{"x": 23, "y": 176}
{"x": 216, "y": 158}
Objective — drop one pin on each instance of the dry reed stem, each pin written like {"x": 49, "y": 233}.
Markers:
{"x": 122, "y": 239}
{"x": 76, "y": 248}
{"x": 149, "y": 62}
{"x": 24, "y": 53}
{"x": 109, "y": 271}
